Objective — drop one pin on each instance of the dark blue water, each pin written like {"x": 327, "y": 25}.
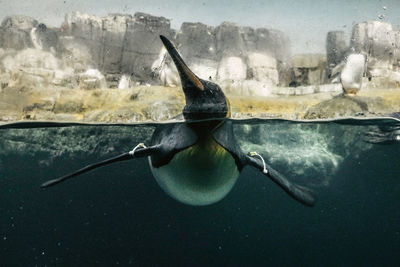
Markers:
{"x": 118, "y": 215}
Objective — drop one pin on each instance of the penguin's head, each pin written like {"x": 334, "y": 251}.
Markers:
{"x": 204, "y": 99}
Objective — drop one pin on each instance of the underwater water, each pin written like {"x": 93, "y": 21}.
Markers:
{"x": 118, "y": 215}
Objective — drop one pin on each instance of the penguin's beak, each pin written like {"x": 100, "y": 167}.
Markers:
{"x": 188, "y": 78}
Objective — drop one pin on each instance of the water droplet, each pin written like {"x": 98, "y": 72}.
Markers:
{"x": 381, "y": 16}
{"x": 384, "y": 7}
{"x": 5, "y": 238}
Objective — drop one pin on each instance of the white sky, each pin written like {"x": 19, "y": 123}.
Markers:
{"x": 305, "y": 22}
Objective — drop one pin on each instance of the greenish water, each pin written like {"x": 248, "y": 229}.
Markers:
{"x": 118, "y": 215}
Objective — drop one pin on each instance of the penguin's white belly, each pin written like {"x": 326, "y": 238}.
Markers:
{"x": 352, "y": 73}
{"x": 200, "y": 175}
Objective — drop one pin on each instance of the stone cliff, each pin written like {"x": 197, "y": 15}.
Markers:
{"x": 120, "y": 44}
{"x": 39, "y": 65}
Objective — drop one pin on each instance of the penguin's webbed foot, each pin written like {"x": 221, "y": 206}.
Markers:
{"x": 299, "y": 193}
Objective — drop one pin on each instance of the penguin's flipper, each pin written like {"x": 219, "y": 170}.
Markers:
{"x": 225, "y": 137}
{"x": 135, "y": 153}
{"x": 299, "y": 193}
{"x": 172, "y": 138}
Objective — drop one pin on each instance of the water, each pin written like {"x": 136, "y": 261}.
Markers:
{"x": 117, "y": 215}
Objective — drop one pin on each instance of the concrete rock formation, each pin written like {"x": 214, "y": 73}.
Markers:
{"x": 376, "y": 40}
{"x": 126, "y": 50}
{"x": 141, "y": 44}
{"x": 198, "y": 45}
{"x": 120, "y": 44}
{"x": 336, "y": 49}
{"x": 15, "y": 30}
{"x": 128, "y": 45}
{"x": 308, "y": 69}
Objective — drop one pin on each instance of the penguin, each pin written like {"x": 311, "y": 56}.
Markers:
{"x": 352, "y": 74}
{"x": 198, "y": 161}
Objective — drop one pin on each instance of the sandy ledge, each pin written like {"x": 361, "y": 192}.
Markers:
{"x": 157, "y": 103}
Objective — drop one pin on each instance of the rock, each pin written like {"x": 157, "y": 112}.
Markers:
{"x": 87, "y": 31}
{"x": 337, "y": 107}
{"x": 114, "y": 30}
{"x": 308, "y": 69}
{"x": 373, "y": 38}
{"x": 15, "y": 30}
{"x": 124, "y": 82}
{"x": 305, "y": 90}
{"x": 231, "y": 69}
{"x": 336, "y": 49}
{"x": 333, "y": 87}
{"x": 263, "y": 68}
{"x": 65, "y": 78}
{"x": 254, "y": 88}
{"x": 276, "y": 44}
{"x": 196, "y": 41}
{"x": 346, "y": 106}
{"x": 77, "y": 54}
{"x": 197, "y": 45}
{"x": 68, "y": 107}
{"x": 30, "y": 68}
{"x": 308, "y": 61}
{"x": 119, "y": 44}
{"x": 229, "y": 41}
{"x": 4, "y": 80}
{"x": 92, "y": 79}
{"x": 298, "y": 90}
{"x": 142, "y": 45}
{"x": 20, "y": 22}
{"x": 250, "y": 39}
{"x": 352, "y": 73}
{"x": 205, "y": 69}
{"x": 165, "y": 70}
{"x": 45, "y": 39}
{"x": 377, "y": 41}
{"x": 243, "y": 41}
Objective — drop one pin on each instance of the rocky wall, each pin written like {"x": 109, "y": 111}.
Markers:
{"x": 120, "y": 44}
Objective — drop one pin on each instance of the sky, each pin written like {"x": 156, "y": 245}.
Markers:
{"x": 305, "y": 22}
